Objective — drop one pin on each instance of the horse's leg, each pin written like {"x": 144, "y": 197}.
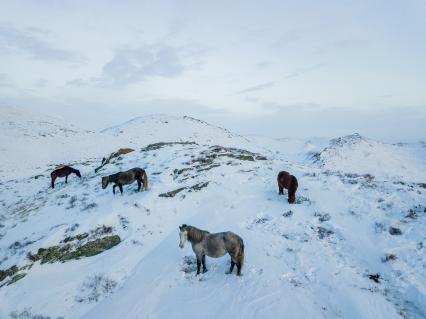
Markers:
{"x": 121, "y": 188}
{"x": 204, "y": 263}
{"x": 239, "y": 268}
{"x": 113, "y": 188}
{"x": 139, "y": 185}
{"x": 232, "y": 266}
{"x": 53, "y": 181}
{"x": 66, "y": 179}
{"x": 199, "y": 258}
{"x": 280, "y": 190}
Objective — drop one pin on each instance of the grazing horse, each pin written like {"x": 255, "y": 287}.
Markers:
{"x": 63, "y": 172}
{"x": 125, "y": 178}
{"x": 213, "y": 245}
{"x": 285, "y": 180}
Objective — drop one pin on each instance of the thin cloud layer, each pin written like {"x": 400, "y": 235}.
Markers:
{"x": 258, "y": 87}
{"x": 31, "y": 42}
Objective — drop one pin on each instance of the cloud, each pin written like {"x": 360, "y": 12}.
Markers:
{"x": 289, "y": 38}
{"x": 29, "y": 41}
{"x": 135, "y": 65}
{"x": 342, "y": 44}
{"x": 257, "y": 87}
{"x": 263, "y": 64}
{"x": 276, "y": 107}
{"x": 4, "y": 81}
{"x": 384, "y": 96}
{"x": 301, "y": 71}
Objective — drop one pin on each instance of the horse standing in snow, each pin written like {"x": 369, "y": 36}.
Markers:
{"x": 285, "y": 180}
{"x": 63, "y": 172}
{"x": 213, "y": 245}
{"x": 125, "y": 178}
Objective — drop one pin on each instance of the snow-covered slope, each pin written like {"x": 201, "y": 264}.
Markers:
{"x": 359, "y": 155}
{"x": 31, "y": 141}
{"x": 167, "y": 128}
{"x": 352, "y": 247}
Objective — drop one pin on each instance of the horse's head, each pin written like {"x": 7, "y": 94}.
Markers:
{"x": 183, "y": 234}
{"x": 77, "y": 172}
{"x": 105, "y": 182}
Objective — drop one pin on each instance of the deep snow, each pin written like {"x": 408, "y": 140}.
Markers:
{"x": 309, "y": 260}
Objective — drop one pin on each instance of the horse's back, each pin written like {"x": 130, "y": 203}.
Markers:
{"x": 139, "y": 172}
{"x": 232, "y": 238}
{"x": 61, "y": 171}
{"x": 283, "y": 179}
{"x": 233, "y": 243}
{"x": 283, "y": 174}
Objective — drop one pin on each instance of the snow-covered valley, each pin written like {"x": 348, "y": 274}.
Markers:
{"x": 353, "y": 246}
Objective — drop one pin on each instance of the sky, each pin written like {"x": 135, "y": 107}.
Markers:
{"x": 276, "y": 68}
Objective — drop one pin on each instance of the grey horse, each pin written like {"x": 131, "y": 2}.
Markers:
{"x": 213, "y": 245}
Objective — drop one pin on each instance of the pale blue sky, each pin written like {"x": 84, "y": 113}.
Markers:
{"x": 323, "y": 68}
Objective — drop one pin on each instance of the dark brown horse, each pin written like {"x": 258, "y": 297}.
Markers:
{"x": 125, "y": 178}
{"x": 289, "y": 182}
{"x": 63, "y": 172}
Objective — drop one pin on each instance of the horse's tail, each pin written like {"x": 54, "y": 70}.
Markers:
{"x": 241, "y": 254}
{"x": 145, "y": 180}
{"x": 292, "y": 190}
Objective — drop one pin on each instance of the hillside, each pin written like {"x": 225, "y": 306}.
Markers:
{"x": 352, "y": 246}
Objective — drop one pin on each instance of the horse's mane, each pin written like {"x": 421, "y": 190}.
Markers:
{"x": 196, "y": 235}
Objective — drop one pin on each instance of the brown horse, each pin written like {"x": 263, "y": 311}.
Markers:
{"x": 63, "y": 172}
{"x": 125, "y": 178}
{"x": 285, "y": 180}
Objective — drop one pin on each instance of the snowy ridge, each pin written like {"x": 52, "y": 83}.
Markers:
{"x": 359, "y": 155}
{"x": 352, "y": 247}
{"x": 167, "y": 128}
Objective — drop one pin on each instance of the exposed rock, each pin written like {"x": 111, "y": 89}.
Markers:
{"x": 16, "y": 278}
{"x": 395, "y": 231}
{"x": 8, "y": 272}
{"x": 65, "y": 253}
{"x": 374, "y": 277}
{"x": 288, "y": 213}
{"x": 172, "y": 193}
{"x": 324, "y": 232}
{"x": 120, "y": 152}
{"x": 388, "y": 257}
{"x": 157, "y": 146}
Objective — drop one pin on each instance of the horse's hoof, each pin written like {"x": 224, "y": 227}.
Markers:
{"x": 205, "y": 270}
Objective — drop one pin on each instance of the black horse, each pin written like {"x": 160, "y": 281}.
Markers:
{"x": 285, "y": 180}
{"x": 63, "y": 172}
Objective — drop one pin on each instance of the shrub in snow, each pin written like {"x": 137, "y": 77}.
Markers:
{"x": 26, "y": 314}
{"x": 95, "y": 288}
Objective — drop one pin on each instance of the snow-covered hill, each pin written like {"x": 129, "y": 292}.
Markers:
{"x": 359, "y": 155}
{"x": 167, "y": 128}
{"x": 352, "y": 247}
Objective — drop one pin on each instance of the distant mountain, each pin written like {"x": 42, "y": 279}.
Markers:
{"x": 357, "y": 154}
